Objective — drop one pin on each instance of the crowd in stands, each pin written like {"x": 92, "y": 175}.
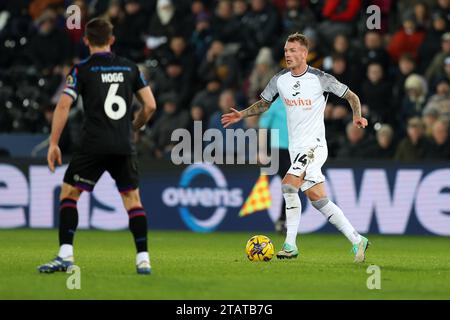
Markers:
{"x": 202, "y": 58}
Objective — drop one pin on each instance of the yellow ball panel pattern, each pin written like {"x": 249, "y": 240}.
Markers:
{"x": 259, "y": 248}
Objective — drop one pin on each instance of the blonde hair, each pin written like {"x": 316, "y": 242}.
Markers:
{"x": 300, "y": 38}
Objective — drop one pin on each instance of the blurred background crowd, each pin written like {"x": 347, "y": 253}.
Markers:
{"x": 203, "y": 57}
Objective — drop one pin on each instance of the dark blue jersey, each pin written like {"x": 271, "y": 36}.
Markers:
{"x": 106, "y": 83}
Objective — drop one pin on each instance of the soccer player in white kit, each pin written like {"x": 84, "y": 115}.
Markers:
{"x": 301, "y": 88}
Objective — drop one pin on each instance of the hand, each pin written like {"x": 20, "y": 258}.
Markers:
{"x": 360, "y": 122}
{"x": 54, "y": 153}
{"x": 230, "y": 118}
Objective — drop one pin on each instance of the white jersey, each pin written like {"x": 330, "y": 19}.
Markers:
{"x": 303, "y": 98}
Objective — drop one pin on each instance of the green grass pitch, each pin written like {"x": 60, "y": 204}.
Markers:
{"x": 213, "y": 266}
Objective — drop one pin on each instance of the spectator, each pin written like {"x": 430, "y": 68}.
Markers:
{"x": 414, "y": 146}
{"x": 443, "y": 6}
{"x": 341, "y": 47}
{"x": 164, "y": 24}
{"x": 441, "y": 104}
{"x": 340, "y": 71}
{"x": 261, "y": 74}
{"x": 197, "y": 117}
{"x": 406, "y": 40}
{"x": 373, "y": 51}
{"x": 130, "y": 31}
{"x": 50, "y": 46}
{"x": 442, "y": 90}
{"x": 422, "y": 15}
{"x": 336, "y": 119}
{"x": 415, "y": 98}
{"x": 356, "y": 146}
{"x": 377, "y": 95}
{"x": 224, "y": 26}
{"x": 221, "y": 64}
{"x": 178, "y": 50}
{"x": 445, "y": 76}
{"x": 384, "y": 146}
{"x": 429, "y": 116}
{"x": 197, "y": 8}
{"x": 386, "y": 9}
{"x": 208, "y": 98}
{"x": 439, "y": 148}
{"x": 226, "y": 102}
{"x": 340, "y": 16}
{"x": 315, "y": 54}
{"x": 202, "y": 36}
{"x": 76, "y": 34}
{"x": 114, "y": 14}
{"x": 435, "y": 70}
{"x": 261, "y": 26}
{"x": 431, "y": 44}
{"x": 295, "y": 18}
{"x": 172, "y": 78}
{"x": 406, "y": 67}
{"x": 171, "y": 119}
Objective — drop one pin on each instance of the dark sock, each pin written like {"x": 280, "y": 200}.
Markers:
{"x": 68, "y": 220}
{"x": 138, "y": 227}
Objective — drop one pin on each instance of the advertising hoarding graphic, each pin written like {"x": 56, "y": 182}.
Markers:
{"x": 384, "y": 199}
{"x": 218, "y": 197}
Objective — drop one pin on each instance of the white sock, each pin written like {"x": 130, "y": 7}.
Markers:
{"x": 66, "y": 250}
{"x": 142, "y": 256}
{"x": 336, "y": 217}
{"x": 293, "y": 213}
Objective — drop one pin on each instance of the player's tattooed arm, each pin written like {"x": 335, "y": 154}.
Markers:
{"x": 258, "y": 107}
{"x": 235, "y": 116}
{"x": 353, "y": 99}
{"x": 354, "y": 102}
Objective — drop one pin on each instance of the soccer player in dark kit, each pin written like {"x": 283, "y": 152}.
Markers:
{"x": 107, "y": 84}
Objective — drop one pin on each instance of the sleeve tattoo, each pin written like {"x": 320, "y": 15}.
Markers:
{"x": 354, "y": 102}
{"x": 258, "y": 107}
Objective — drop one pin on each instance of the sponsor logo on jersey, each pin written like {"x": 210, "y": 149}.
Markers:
{"x": 299, "y": 102}
{"x": 70, "y": 81}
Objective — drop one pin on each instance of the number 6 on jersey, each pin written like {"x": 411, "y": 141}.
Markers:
{"x": 113, "y": 99}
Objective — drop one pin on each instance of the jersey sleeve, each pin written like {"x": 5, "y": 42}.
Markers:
{"x": 139, "y": 80}
{"x": 73, "y": 84}
{"x": 270, "y": 92}
{"x": 331, "y": 84}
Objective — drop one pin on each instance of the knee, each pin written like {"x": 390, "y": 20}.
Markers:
{"x": 68, "y": 191}
{"x": 288, "y": 188}
{"x": 315, "y": 194}
{"x": 131, "y": 199}
{"x": 320, "y": 203}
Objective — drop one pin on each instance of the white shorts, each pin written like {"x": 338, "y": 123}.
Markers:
{"x": 309, "y": 160}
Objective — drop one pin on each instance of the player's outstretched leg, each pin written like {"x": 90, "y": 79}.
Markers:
{"x": 336, "y": 217}
{"x": 68, "y": 222}
{"x": 293, "y": 211}
{"x": 138, "y": 227}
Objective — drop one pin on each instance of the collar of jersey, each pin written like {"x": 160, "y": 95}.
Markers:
{"x": 299, "y": 75}
{"x": 102, "y": 54}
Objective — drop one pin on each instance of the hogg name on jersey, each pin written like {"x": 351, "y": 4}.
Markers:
{"x": 112, "y": 77}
